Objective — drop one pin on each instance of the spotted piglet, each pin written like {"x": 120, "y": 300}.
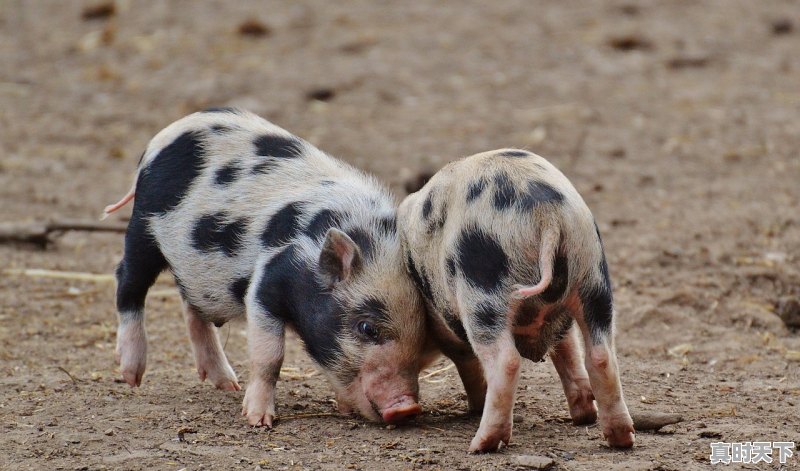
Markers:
{"x": 254, "y": 222}
{"x": 510, "y": 261}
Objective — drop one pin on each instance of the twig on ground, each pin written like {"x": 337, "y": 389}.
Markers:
{"x": 67, "y": 275}
{"x": 75, "y": 380}
{"x": 38, "y": 233}
{"x": 436, "y": 372}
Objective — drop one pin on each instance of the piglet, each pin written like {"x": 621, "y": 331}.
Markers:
{"x": 254, "y": 222}
{"x": 510, "y": 262}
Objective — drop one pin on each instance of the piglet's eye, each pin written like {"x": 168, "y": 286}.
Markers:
{"x": 368, "y": 330}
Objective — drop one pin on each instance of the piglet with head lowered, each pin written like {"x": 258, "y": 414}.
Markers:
{"x": 253, "y": 221}
{"x": 511, "y": 264}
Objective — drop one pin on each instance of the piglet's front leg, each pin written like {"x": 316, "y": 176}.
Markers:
{"x": 265, "y": 343}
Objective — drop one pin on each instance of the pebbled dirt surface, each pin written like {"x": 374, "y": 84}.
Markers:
{"x": 679, "y": 122}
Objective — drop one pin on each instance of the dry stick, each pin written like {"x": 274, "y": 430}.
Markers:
{"x": 436, "y": 372}
{"x": 38, "y": 233}
{"x": 75, "y": 380}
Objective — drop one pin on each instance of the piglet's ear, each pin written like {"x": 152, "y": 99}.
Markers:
{"x": 340, "y": 258}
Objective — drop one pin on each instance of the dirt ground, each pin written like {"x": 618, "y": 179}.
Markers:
{"x": 679, "y": 122}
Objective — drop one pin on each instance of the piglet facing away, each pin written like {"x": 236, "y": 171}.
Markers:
{"x": 511, "y": 264}
{"x": 253, "y": 221}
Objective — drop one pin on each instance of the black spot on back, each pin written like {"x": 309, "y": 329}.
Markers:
{"x": 420, "y": 280}
{"x": 515, "y": 153}
{"x": 558, "y": 287}
{"x": 289, "y": 291}
{"x": 279, "y": 147}
{"x": 363, "y": 240}
{"x": 265, "y": 166}
{"x": 505, "y": 195}
{"x": 481, "y": 259}
{"x": 427, "y": 206}
{"x": 220, "y": 128}
{"x": 539, "y": 193}
{"x": 227, "y": 174}
{"x": 475, "y": 189}
{"x": 238, "y": 288}
{"x": 283, "y": 226}
{"x": 321, "y": 222}
{"x": 212, "y": 233}
{"x": 165, "y": 180}
{"x": 489, "y": 321}
{"x": 388, "y": 224}
{"x": 221, "y": 109}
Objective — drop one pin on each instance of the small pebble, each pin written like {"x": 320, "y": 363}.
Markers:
{"x": 109, "y": 432}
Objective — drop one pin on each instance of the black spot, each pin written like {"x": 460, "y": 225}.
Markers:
{"x": 265, "y": 166}
{"x": 598, "y": 300}
{"x": 238, "y": 288}
{"x": 451, "y": 267}
{"x": 220, "y": 128}
{"x": 279, "y": 147}
{"x": 221, "y": 109}
{"x": 363, "y": 240}
{"x": 420, "y": 280}
{"x": 475, "y": 189}
{"x": 227, "y": 174}
{"x": 388, "y": 224}
{"x": 282, "y": 226}
{"x": 321, "y": 222}
{"x": 289, "y": 291}
{"x": 481, "y": 259}
{"x": 455, "y": 324}
{"x": 539, "y": 193}
{"x": 489, "y": 321}
{"x": 139, "y": 268}
{"x": 558, "y": 287}
{"x": 164, "y": 181}
{"x": 515, "y": 153}
{"x": 598, "y": 308}
{"x": 505, "y": 195}
{"x": 212, "y": 233}
{"x": 327, "y": 182}
{"x": 427, "y": 206}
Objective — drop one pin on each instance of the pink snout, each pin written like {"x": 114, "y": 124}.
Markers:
{"x": 404, "y": 409}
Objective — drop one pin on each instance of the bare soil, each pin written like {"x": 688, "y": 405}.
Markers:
{"x": 679, "y": 122}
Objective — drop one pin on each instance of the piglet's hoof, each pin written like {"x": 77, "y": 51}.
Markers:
{"x": 489, "y": 442}
{"x": 620, "y": 437}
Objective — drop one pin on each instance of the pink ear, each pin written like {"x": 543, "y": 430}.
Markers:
{"x": 340, "y": 257}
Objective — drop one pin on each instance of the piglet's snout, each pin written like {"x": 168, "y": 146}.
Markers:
{"x": 406, "y": 407}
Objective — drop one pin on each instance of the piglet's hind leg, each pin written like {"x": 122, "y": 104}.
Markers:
{"x": 595, "y": 322}
{"x": 568, "y": 360}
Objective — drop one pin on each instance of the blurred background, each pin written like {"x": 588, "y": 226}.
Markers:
{"x": 679, "y": 123}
